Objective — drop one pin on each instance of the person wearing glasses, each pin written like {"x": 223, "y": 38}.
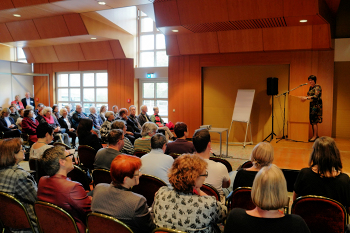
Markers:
{"x": 184, "y": 206}
{"x": 117, "y": 199}
{"x": 14, "y": 180}
{"x": 57, "y": 189}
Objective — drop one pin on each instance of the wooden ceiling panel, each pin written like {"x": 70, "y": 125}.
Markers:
{"x": 311, "y": 20}
{"x": 202, "y": 11}
{"x": 5, "y": 35}
{"x": 44, "y": 54}
{"x": 97, "y": 50}
{"x": 23, "y": 3}
{"x": 80, "y": 6}
{"x": 198, "y": 43}
{"x": 288, "y": 38}
{"x": 254, "y": 9}
{"x": 117, "y": 49}
{"x": 53, "y": 9}
{"x": 166, "y": 14}
{"x": 300, "y": 7}
{"x": 51, "y": 27}
{"x": 6, "y": 4}
{"x": 23, "y": 30}
{"x": 29, "y": 56}
{"x": 69, "y": 52}
{"x": 333, "y": 5}
{"x": 321, "y": 36}
{"x": 75, "y": 24}
{"x": 240, "y": 41}
{"x": 125, "y": 3}
{"x": 172, "y": 47}
{"x": 169, "y": 30}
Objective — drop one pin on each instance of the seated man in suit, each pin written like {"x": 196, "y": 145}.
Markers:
{"x": 77, "y": 115}
{"x": 130, "y": 133}
{"x": 143, "y": 117}
{"x": 132, "y": 120}
{"x": 180, "y": 145}
{"x": 8, "y": 125}
{"x": 128, "y": 147}
{"x": 27, "y": 100}
{"x": 13, "y": 113}
{"x": 115, "y": 111}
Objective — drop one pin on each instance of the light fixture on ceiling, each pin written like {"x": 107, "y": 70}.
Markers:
{"x": 101, "y": 3}
{"x": 175, "y": 30}
{"x": 93, "y": 38}
{"x": 16, "y": 15}
{"x": 303, "y": 20}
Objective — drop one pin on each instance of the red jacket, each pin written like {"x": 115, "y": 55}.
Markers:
{"x": 68, "y": 195}
{"x": 18, "y": 104}
{"x": 29, "y": 127}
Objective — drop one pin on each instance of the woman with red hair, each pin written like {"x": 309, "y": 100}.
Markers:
{"x": 117, "y": 200}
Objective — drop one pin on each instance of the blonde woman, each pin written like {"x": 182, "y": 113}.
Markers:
{"x": 17, "y": 102}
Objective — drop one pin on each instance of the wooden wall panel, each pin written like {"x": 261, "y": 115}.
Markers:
{"x": 5, "y": 35}
{"x": 300, "y": 7}
{"x": 321, "y": 36}
{"x": 65, "y": 66}
{"x": 29, "y": 56}
{"x": 198, "y": 43}
{"x": 41, "y": 85}
{"x": 75, "y": 24}
{"x": 117, "y": 49}
{"x": 93, "y": 65}
{"x": 23, "y": 30}
{"x": 6, "y": 4}
{"x": 172, "y": 47}
{"x": 23, "y": 3}
{"x": 240, "y": 41}
{"x": 69, "y": 52}
{"x": 291, "y": 38}
{"x": 166, "y": 13}
{"x": 97, "y": 50}
{"x": 44, "y": 54}
{"x": 51, "y": 27}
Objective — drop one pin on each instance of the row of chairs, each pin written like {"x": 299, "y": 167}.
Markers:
{"x": 50, "y": 218}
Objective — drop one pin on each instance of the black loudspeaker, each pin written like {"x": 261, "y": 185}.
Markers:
{"x": 272, "y": 86}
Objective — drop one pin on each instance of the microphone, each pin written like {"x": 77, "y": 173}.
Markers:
{"x": 304, "y": 84}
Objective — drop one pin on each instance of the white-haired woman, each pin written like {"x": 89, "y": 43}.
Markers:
{"x": 147, "y": 131}
{"x": 52, "y": 121}
{"x": 96, "y": 119}
{"x": 66, "y": 123}
{"x": 269, "y": 194}
{"x": 106, "y": 127}
{"x": 17, "y": 102}
{"x": 103, "y": 111}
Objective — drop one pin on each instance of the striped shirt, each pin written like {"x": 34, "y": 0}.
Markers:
{"x": 143, "y": 144}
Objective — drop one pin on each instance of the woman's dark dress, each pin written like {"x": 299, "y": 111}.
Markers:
{"x": 315, "y": 93}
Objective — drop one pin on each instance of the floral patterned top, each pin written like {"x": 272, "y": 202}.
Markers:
{"x": 187, "y": 212}
{"x": 315, "y": 93}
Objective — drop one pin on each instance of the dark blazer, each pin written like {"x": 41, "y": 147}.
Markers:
{"x": 142, "y": 119}
{"x": 24, "y": 102}
{"x": 76, "y": 118}
{"x": 63, "y": 123}
{"x": 3, "y": 124}
{"x": 132, "y": 124}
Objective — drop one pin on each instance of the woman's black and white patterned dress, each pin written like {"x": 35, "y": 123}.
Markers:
{"x": 315, "y": 93}
{"x": 187, "y": 212}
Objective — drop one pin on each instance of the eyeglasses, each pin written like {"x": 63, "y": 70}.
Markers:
{"x": 205, "y": 175}
{"x": 69, "y": 155}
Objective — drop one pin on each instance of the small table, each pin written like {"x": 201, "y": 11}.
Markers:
{"x": 220, "y": 131}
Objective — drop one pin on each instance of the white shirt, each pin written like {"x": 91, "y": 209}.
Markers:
{"x": 28, "y": 101}
{"x": 217, "y": 173}
{"x": 8, "y": 122}
{"x": 67, "y": 121}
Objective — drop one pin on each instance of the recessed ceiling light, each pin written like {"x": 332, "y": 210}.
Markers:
{"x": 93, "y": 38}
{"x": 175, "y": 30}
{"x": 16, "y": 15}
{"x": 303, "y": 21}
{"x": 102, "y": 3}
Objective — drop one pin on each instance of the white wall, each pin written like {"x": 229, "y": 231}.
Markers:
{"x": 11, "y": 85}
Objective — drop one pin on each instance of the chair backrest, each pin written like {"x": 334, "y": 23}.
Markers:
{"x": 211, "y": 191}
{"x": 35, "y": 165}
{"x": 13, "y": 214}
{"x": 291, "y": 176}
{"x": 148, "y": 187}
{"x": 101, "y": 176}
{"x": 166, "y": 230}
{"x": 51, "y": 218}
{"x": 78, "y": 175}
{"x": 140, "y": 153}
{"x": 175, "y": 155}
{"x": 240, "y": 198}
{"x": 321, "y": 214}
{"x": 223, "y": 161}
{"x": 246, "y": 164}
{"x": 97, "y": 223}
{"x": 87, "y": 156}
{"x": 62, "y": 144}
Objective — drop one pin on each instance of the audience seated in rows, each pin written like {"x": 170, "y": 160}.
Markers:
{"x": 262, "y": 155}
{"x": 45, "y": 136}
{"x": 30, "y": 107}
{"x": 128, "y": 147}
{"x": 96, "y": 119}
{"x": 69, "y": 110}
{"x": 27, "y": 100}
{"x": 180, "y": 145}
{"x": 59, "y": 133}
{"x": 39, "y": 107}
{"x": 324, "y": 176}
{"x": 13, "y": 113}
{"x": 29, "y": 125}
{"x": 78, "y": 115}
{"x": 156, "y": 163}
{"x": 105, "y": 156}
{"x": 66, "y": 123}
{"x": 103, "y": 111}
{"x": 14, "y": 180}
{"x": 143, "y": 117}
{"x": 130, "y": 133}
{"x": 269, "y": 194}
{"x": 86, "y": 137}
{"x": 115, "y": 111}
{"x": 106, "y": 126}
{"x": 132, "y": 121}
{"x": 117, "y": 200}
{"x": 17, "y": 103}
{"x": 57, "y": 189}
{"x": 7, "y": 125}
{"x": 218, "y": 174}
{"x": 148, "y": 130}
{"x": 55, "y": 112}
{"x": 184, "y": 206}
{"x": 20, "y": 118}
{"x": 155, "y": 118}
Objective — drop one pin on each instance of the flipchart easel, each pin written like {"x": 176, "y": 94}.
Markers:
{"x": 242, "y": 111}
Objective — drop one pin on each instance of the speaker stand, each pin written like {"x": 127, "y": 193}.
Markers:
{"x": 284, "y": 118}
{"x": 272, "y": 132}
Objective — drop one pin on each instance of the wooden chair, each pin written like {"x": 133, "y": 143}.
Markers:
{"x": 13, "y": 214}
{"x": 97, "y": 223}
{"x": 87, "y": 156}
{"x": 321, "y": 214}
{"x": 140, "y": 153}
{"x": 79, "y": 175}
{"x": 223, "y": 161}
{"x": 211, "y": 191}
{"x": 240, "y": 198}
{"x": 62, "y": 144}
{"x": 35, "y": 165}
{"x": 51, "y": 218}
{"x": 101, "y": 176}
{"x": 166, "y": 230}
{"x": 175, "y": 155}
{"x": 148, "y": 187}
{"x": 246, "y": 164}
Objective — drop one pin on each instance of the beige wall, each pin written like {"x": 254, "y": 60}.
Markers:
{"x": 220, "y": 85}
{"x": 6, "y": 53}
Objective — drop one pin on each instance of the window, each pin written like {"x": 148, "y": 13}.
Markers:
{"x": 155, "y": 93}
{"x": 151, "y": 43}
{"x": 21, "y": 57}
{"x": 86, "y": 88}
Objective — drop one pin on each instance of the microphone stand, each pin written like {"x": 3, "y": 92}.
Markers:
{"x": 284, "y": 109}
